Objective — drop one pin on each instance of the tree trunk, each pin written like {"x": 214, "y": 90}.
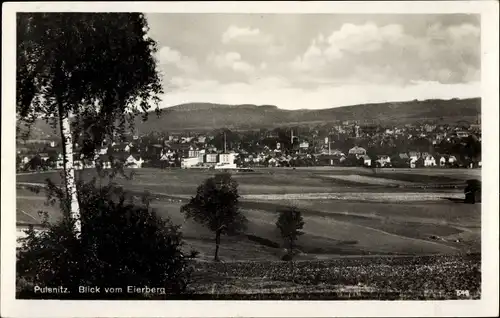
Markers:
{"x": 69, "y": 171}
{"x": 291, "y": 260}
{"x": 217, "y": 243}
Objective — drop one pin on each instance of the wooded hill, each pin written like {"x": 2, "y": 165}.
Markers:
{"x": 207, "y": 116}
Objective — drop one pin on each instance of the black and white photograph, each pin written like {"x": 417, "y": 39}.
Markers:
{"x": 201, "y": 152}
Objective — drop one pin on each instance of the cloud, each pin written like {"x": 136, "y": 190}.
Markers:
{"x": 313, "y": 58}
{"x": 169, "y": 56}
{"x": 245, "y": 36}
{"x": 387, "y": 53}
{"x": 230, "y": 60}
{"x": 364, "y": 38}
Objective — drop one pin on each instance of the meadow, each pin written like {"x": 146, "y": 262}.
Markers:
{"x": 417, "y": 213}
{"x": 368, "y": 234}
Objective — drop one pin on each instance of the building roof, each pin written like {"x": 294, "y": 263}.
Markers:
{"x": 104, "y": 158}
{"x": 357, "y": 149}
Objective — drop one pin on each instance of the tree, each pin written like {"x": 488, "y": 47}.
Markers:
{"x": 35, "y": 163}
{"x": 473, "y": 191}
{"x": 87, "y": 73}
{"x": 216, "y": 206}
{"x": 122, "y": 244}
{"x": 289, "y": 223}
{"x": 398, "y": 162}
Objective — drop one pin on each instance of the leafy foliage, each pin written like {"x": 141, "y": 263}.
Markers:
{"x": 122, "y": 244}
{"x": 289, "y": 223}
{"x": 99, "y": 67}
{"x": 216, "y": 206}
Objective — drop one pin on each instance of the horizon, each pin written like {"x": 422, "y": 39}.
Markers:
{"x": 352, "y": 105}
{"x": 316, "y": 61}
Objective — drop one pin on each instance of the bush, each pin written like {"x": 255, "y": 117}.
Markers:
{"x": 121, "y": 244}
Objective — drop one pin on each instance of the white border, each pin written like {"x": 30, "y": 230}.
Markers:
{"x": 487, "y": 306}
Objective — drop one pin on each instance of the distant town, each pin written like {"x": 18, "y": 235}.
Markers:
{"x": 340, "y": 144}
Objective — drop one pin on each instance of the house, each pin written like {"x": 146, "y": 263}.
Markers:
{"x": 201, "y": 155}
{"x": 429, "y": 128}
{"x": 202, "y": 139}
{"x": 44, "y": 156}
{"x": 189, "y": 162}
{"x": 452, "y": 159}
{"x": 193, "y": 152}
{"x": 367, "y": 161}
{"x": 59, "y": 161}
{"x": 104, "y": 162}
{"x": 132, "y": 162}
{"x": 328, "y": 159}
{"x": 384, "y": 160}
{"x": 78, "y": 164}
{"x": 442, "y": 161}
{"x": 357, "y": 151}
{"x": 462, "y": 134}
{"x": 181, "y": 149}
{"x": 273, "y": 162}
{"x": 259, "y": 158}
{"x": 211, "y": 149}
{"x": 89, "y": 164}
{"x": 403, "y": 156}
{"x": 337, "y": 153}
{"x": 429, "y": 161}
{"x": 185, "y": 140}
{"x": 304, "y": 145}
{"x": 211, "y": 158}
{"x": 414, "y": 156}
{"x": 226, "y": 158}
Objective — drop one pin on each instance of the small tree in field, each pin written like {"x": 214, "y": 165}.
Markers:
{"x": 290, "y": 222}
{"x": 216, "y": 206}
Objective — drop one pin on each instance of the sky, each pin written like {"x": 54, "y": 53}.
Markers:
{"x": 313, "y": 61}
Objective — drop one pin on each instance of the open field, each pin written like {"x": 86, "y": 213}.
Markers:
{"x": 368, "y": 239}
{"x": 426, "y": 277}
{"x": 341, "y": 219}
{"x": 286, "y": 180}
